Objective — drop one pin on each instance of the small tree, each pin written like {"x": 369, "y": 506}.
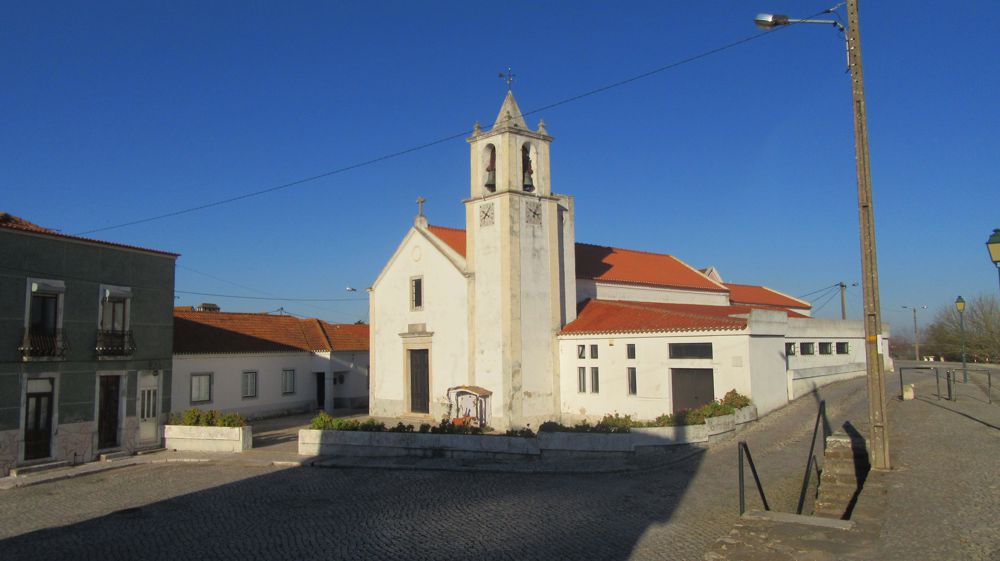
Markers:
{"x": 982, "y": 331}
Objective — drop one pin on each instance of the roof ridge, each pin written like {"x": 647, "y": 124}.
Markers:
{"x": 322, "y": 329}
{"x": 446, "y": 228}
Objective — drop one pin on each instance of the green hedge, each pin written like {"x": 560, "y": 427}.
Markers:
{"x": 195, "y": 417}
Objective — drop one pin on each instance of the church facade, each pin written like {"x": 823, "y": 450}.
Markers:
{"x": 512, "y": 323}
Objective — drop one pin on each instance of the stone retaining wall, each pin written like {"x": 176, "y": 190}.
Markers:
{"x": 360, "y": 443}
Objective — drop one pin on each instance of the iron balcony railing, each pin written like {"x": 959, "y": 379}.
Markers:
{"x": 47, "y": 343}
{"x": 115, "y": 343}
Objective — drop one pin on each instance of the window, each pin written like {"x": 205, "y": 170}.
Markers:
{"x": 43, "y": 319}
{"x": 593, "y": 351}
{"x": 630, "y": 350}
{"x": 44, "y": 315}
{"x": 690, "y": 350}
{"x": 287, "y": 381}
{"x": 807, "y": 348}
{"x": 201, "y": 387}
{"x": 595, "y": 380}
{"x": 249, "y": 386}
{"x": 789, "y": 349}
{"x": 826, "y": 348}
{"x": 631, "y": 381}
{"x": 581, "y": 382}
{"x": 581, "y": 351}
{"x": 417, "y": 293}
{"x": 842, "y": 348}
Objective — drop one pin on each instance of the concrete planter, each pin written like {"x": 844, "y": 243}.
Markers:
{"x": 361, "y": 443}
{"x": 207, "y": 439}
{"x": 585, "y": 442}
{"x": 667, "y": 436}
{"x": 746, "y": 414}
{"x": 716, "y": 426}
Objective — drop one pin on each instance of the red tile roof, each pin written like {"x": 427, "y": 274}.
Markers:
{"x": 614, "y": 264}
{"x": 11, "y": 222}
{"x": 454, "y": 237}
{"x": 762, "y": 295}
{"x": 228, "y": 332}
{"x": 616, "y": 316}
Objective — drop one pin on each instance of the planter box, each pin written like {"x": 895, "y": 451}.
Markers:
{"x": 667, "y": 436}
{"x": 207, "y": 439}
{"x": 746, "y": 414}
{"x": 361, "y": 443}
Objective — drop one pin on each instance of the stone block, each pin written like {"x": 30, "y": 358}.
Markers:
{"x": 207, "y": 439}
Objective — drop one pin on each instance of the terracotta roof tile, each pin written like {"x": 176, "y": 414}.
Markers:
{"x": 616, "y": 316}
{"x": 454, "y": 237}
{"x": 762, "y": 295}
{"x": 614, "y": 264}
{"x": 347, "y": 336}
{"x": 10, "y": 222}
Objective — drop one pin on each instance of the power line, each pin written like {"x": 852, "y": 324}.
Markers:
{"x": 425, "y": 145}
{"x": 274, "y": 299}
{"x": 825, "y": 288}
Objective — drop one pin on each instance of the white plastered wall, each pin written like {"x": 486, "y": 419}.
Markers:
{"x": 589, "y": 288}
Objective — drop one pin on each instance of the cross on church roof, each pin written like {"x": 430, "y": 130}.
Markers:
{"x": 507, "y": 77}
{"x": 420, "y": 205}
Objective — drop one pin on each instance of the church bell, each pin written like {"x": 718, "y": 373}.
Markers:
{"x": 529, "y": 186}
{"x": 491, "y": 180}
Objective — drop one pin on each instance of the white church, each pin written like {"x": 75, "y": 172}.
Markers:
{"x": 512, "y": 322}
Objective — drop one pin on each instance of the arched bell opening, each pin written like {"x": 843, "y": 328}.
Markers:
{"x": 490, "y": 168}
{"x": 527, "y": 170}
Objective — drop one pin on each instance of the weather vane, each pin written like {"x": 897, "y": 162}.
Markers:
{"x": 507, "y": 77}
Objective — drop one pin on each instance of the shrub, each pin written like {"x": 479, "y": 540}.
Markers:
{"x": 400, "y": 427}
{"x": 191, "y": 417}
{"x": 195, "y": 417}
{"x": 735, "y": 400}
{"x": 447, "y": 427}
{"x": 232, "y": 420}
{"x": 371, "y": 425}
{"x": 525, "y": 432}
{"x": 551, "y": 426}
{"x": 425, "y": 427}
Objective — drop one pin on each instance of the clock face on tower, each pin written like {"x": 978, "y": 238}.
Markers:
{"x": 486, "y": 214}
{"x": 533, "y": 212}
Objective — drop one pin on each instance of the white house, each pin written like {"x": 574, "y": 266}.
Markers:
{"x": 512, "y": 312}
{"x": 263, "y": 365}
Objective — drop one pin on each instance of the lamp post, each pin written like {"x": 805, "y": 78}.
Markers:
{"x": 866, "y": 217}
{"x": 993, "y": 246}
{"x": 960, "y": 306}
{"x": 916, "y": 334}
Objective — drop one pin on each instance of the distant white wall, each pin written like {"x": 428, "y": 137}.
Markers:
{"x": 589, "y": 288}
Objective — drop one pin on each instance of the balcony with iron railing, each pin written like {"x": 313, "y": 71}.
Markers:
{"x": 42, "y": 344}
{"x": 114, "y": 343}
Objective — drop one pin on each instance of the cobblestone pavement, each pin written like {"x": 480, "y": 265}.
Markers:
{"x": 223, "y": 510}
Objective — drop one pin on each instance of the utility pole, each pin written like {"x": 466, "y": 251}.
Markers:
{"x": 916, "y": 337}
{"x": 869, "y": 262}
{"x": 843, "y": 304}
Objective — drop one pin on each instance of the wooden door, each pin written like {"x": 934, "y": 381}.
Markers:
{"x": 320, "y": 390}
{"x": 38, "y": 420}
{"x": 107, "y": 416}
{"x": 420, "y": 395}
{"x": 692, "y": 387}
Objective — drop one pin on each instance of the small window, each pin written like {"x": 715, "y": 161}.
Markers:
{"x": 690, "y": 350}
{"x": 593, "y": 351}
{"x": 826, "y": 348}
{"x": 789, "y": 349}
{"x": 249, "y": 385}
{"x": 201, "y": 387}
{"x": 287, "y": 381}
{"x": 417, "y": 293}
{"x": 630, "y": 350}
{"x": 807, "y": 348}
{"x": 581, "y": 351}
{"x": 842, "y": 348}
{"x": 44, "y": 314}
{"x": 581, "y": 382}
{"x": 595, "y": 380}
{"x": 113, "y": 315}
{"x": 631, "y": 381}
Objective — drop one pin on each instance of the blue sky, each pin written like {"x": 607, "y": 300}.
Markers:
{"x": 744, "y": 160}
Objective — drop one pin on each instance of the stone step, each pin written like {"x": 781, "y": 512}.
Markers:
{"x": 153, "y": 450}
{"x": 113, "y": 456}
{"x": 21, "y": 471}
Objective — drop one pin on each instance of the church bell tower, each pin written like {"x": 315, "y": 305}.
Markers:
{"x": 520, "y": 254}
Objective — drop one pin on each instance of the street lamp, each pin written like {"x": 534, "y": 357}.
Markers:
{"x": 993, "y": 246}
{"x": 960, "y": 306}
{"x": 866, "y": 217}
{"x": 916, "y": 334}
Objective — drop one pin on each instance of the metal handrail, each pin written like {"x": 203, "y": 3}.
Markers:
{"x": 811, "y": 460}
{"x": 745, "y": 450}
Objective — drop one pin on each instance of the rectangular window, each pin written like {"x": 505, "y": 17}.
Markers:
{"x": 630, "y": 350}
{"x": 631, "y": 381}
{"x": 595, "y": 380}
{"x": 807, "y": 348}
{"x": 44, "y": 314}
{"x": 201, "y": 387}
{"x": 113, "y": 315}
{"x": 581, "y": 382}
{"x": 593, "y": 351}
{"x": 690, "y": 350}
{"x": 789, "y": 349}
{"x": 417, "y": 293}
{"x": 249, "y": 388}
{"x": 581, "y": 351}
{"x": 287, "y": 381}
{"x": 826, "y": 348}
{"x": 842, "y": 348}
